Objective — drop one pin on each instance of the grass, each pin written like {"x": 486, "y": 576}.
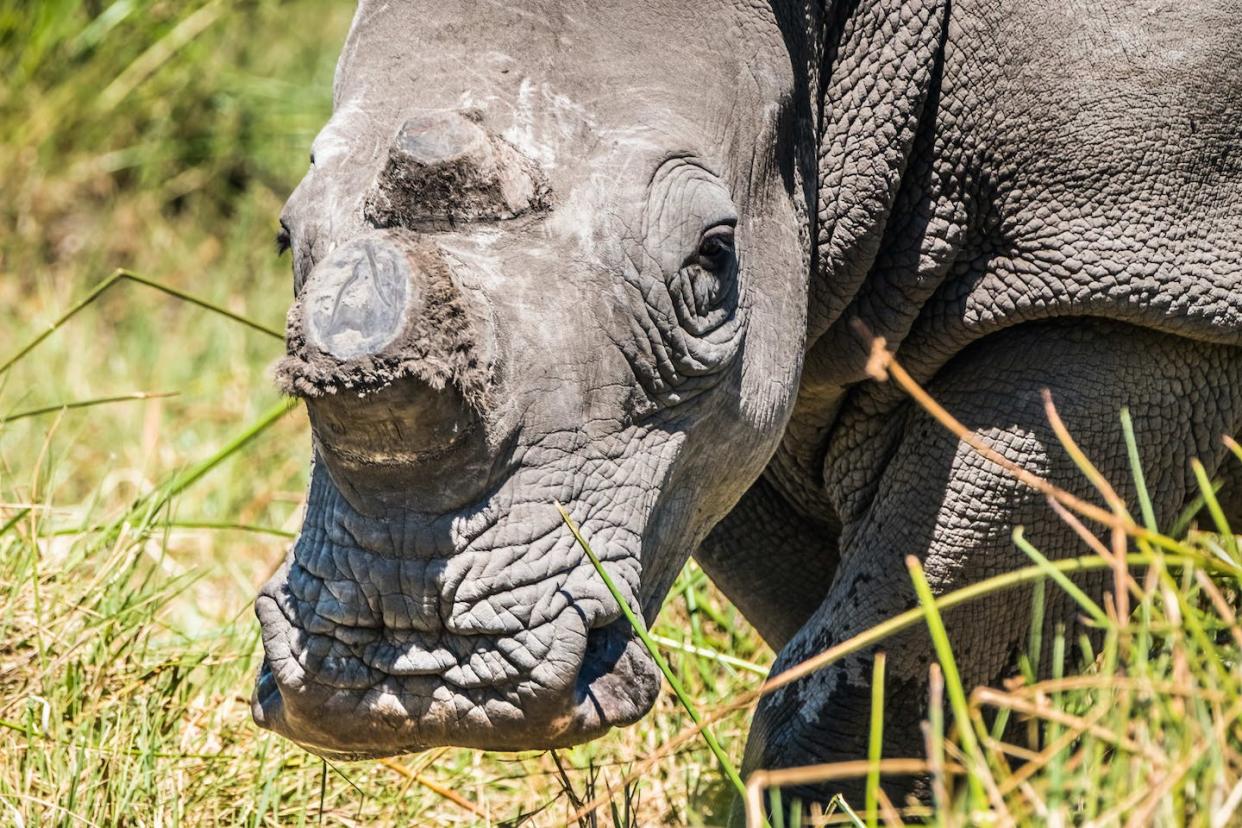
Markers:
{"x": 151, "y": 476}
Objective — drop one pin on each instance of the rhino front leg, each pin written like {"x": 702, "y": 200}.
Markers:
{"x": 771, "y": 560}
{"x": 935, "y": 498}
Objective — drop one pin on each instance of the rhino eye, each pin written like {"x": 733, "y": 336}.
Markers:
{"x": 284, "y": 240}
{"x": 704, "y": 289}
{"x": 716, "y": 251}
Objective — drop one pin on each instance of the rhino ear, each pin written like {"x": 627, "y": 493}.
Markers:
{"x": 444, "y": 168}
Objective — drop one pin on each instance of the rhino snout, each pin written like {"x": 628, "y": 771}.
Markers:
{"x": 394, "y": 367}
{"x": 377, "y": 640}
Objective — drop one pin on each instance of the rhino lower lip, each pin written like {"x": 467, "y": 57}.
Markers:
{"x": 597, "y": 707}
{"x": 616, "y": 683}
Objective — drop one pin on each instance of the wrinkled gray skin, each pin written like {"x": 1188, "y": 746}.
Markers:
{"x": 614, "y": 255}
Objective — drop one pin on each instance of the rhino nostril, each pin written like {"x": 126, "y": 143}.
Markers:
{"x": 604, "y": 647}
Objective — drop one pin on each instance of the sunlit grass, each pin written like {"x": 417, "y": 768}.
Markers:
{"x": 1134, "y": 722}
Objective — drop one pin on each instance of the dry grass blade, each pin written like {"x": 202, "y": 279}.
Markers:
{"x": 76, "y": 404}
{"x": 851, "y": 769}
{"x": 1128, "y": 684}
{"x": 1089, "y": 470}
{"x": 883, "y": 365}
{"x": 1113, "y": 556}
{"x": 1034, "y": 763}
{"x": 995, "y": 698}
{"x": 933, "y": 735}
{"x": 121, "y": 275}
{"x": 433, "y": 786}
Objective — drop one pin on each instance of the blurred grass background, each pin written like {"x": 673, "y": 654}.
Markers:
{"x": 163, "y": 137}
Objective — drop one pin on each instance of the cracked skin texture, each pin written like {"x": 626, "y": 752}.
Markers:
{"x": 1053, "y": 200}
{"x": 1015, "y": 195}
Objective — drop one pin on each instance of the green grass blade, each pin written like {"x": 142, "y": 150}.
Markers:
{"x": 640, "y": 630}
{"x": 91, "y": 403}
{"x": 1188, "y": 514}
{"x": 855, "y": 819}
{"x": 875, "y": 746}
{"x": 778, "y": 807}
{"x": 709, "y": 654}
{"x": 1081, "y": 598}
{"x": 952, "y": 678}
{"x": 1136, "y": 469}
{"x": 222, "y": 526}
{"x": 13, "y": 521}
{"x": 1056, "y": 766}
{"x": 204, "y": 304}
{"x": 1214, "y": 509}
{"x": 188, "y": 478}
{"x": 1035, "y": 646}
{"x": 125, "y": 275}
{"x": 159, "y": 53}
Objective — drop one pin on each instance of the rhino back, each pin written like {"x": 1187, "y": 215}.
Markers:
{"x": 1039, "y": 159}
{"x": 1080, "y": 159}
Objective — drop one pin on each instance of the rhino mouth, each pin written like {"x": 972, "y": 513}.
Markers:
{"x": 368, "y": 653}
{"x": 613, "y": 688}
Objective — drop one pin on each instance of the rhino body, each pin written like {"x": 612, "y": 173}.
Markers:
{"x": 628, "y": 257}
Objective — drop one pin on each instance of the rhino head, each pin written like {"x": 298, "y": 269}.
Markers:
{"x": 545, "y": 252}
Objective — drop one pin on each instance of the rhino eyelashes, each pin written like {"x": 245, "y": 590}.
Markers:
{"x": 716, "y": 248}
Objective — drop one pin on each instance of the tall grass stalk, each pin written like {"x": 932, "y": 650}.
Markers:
{"x": 640, "y": 630}
{"x": 122, "y": 276}
{"x": 875, "y": 745}
{"x": 952, "y": 681}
